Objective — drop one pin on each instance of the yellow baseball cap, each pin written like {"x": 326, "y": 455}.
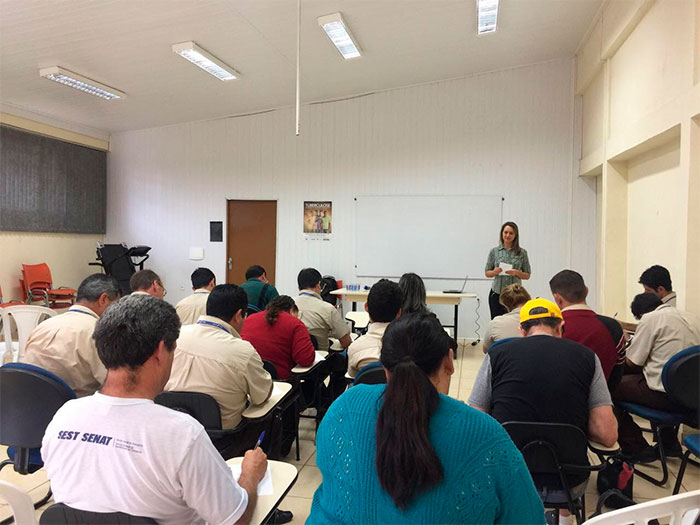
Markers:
{"x": 538, "y": 309}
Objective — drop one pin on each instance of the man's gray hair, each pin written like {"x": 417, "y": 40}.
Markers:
{"x": 95, "y": 285}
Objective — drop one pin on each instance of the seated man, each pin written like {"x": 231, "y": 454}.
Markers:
{"x": 545, "y": 378}
{"x": 321, "y": 318}
{"x": 383, "y": 305}
{"x": 663, "y": 331}
{"x": 259, "y": 290}
{"x": 63, "y": 344}
{"x": 117, "y": 451}
{"x": 211, "y": 358}
{"x": 602, "y": 334}
{"x": 191, "y": 307}
{"x": 147, "y": 282}
{"x": 323, "y": 321}
{"x": 657, "y": 280}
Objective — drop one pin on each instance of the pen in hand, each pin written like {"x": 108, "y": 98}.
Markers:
{"x": 262, "y": 436}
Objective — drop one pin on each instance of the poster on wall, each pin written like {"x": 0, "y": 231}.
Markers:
{"x": 318, "y": 220}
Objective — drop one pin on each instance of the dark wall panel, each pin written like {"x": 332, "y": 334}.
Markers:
{"x": 47, "y": 185}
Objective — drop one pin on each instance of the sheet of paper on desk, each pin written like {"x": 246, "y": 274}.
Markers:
{"x": 276, "y": 391}
{"x": 319, "y": 357}
{"x": 264, "y": 487}
{"x": 505, "y": 266}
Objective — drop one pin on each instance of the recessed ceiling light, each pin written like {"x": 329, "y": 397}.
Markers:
{"x": 339, "y": 33}
{"x": 208, "y": 62}
{"x": 487, "y": 15}
{"x": 68, "y": 78}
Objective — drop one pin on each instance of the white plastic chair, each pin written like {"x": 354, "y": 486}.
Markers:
{"x": 20, "y": 502}
{"x": 26, "y": 317}
{"x": 682, "y": 509}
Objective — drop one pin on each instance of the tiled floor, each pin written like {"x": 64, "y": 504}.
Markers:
{"x": 299, "y": 498}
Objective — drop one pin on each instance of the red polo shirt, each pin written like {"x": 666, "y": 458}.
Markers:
{"x": 601, "y": 334}
{"x": 285, "y": 344}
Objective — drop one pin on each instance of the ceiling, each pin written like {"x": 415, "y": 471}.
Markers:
{"x": 126, "y": 44}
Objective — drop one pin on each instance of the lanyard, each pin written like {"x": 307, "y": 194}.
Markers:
{"x": 310, "y": 294}
{"x": 80, "y": 312}
{"x": 215, "y": 325}
{"x": 200, "y": 293}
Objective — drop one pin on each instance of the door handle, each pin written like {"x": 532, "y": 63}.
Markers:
{"x": 230, "y": 263}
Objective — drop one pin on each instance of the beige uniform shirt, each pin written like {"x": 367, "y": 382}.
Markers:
{"x": 211, "y": 358}
{"x": 503, "y": 327}
{"x": 64, "y": 345}
{"x": 191, "y": 307}
{"x": 670, "y": 299}
{"x": 321, "y": 318}
{"x": 660, "y": 335}
{"x": 366, "y": 349}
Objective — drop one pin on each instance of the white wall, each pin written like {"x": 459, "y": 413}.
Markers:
{"x": 656, "y": 196}
{"x": 509, "y": 132}
{"x": 638, "y": 76}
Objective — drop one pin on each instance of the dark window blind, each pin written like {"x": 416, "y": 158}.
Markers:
{"x": 47, "y": 185}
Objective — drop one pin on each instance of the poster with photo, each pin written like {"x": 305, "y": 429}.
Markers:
{"x": 318, "y": 220}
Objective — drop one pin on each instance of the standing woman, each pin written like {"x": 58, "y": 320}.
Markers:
{"x": 509, "y": 252}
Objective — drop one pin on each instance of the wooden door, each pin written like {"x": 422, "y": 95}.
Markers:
{"x": 251, "y": 238}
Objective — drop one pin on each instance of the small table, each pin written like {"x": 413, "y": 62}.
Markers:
{"x": 284, "y": 476}
{"x": 279, "y": 392}
{"x": 431, "y": 297}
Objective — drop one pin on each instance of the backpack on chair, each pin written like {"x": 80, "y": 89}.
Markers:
{"x": 328, "y": 285}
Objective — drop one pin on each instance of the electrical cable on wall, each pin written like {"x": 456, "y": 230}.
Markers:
{"x": 476, "y": 321}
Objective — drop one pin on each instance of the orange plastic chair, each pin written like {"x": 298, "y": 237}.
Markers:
{"x": 39, "y": 286}
{"x": 11, "y": 303}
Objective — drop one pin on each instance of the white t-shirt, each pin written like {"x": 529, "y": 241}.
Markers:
{"x": 111, "y": 454}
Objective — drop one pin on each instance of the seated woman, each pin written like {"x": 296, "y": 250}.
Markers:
{"x": 505, "y": 326}
{"x": 279, "y": 336}
{"x": 413, "y": 294}
{"x": 404, "y": 452}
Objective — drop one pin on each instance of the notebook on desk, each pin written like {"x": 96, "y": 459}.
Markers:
{"x": 458, "y": 291}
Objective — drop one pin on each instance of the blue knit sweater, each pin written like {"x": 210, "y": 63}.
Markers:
{"x": 485, "y": 477}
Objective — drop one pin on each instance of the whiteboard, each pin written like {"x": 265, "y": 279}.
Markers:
{"x": 435, "y": 236}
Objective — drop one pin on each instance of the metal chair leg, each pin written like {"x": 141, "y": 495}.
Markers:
{"x": 681, "y": 472}
{"x": 662, "y": 457}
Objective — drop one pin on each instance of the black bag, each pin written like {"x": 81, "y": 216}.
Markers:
{"x": 328, "y": 285}
{"x": 615, "y": 483}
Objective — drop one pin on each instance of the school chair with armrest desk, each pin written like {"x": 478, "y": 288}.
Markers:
{"x": 29, "y": 398}
{"x": 681, "y": 381}
{"x": 371, "y": 374}
{"x": 205, "y": 409}
{"x": 556, "y": 455}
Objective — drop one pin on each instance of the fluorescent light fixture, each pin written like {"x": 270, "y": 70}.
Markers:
{"x": 70, "y": 79}
{"x": 208, "y": 62}
{"x": 337, "y": 30}
{"x": 487, "y": 15}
